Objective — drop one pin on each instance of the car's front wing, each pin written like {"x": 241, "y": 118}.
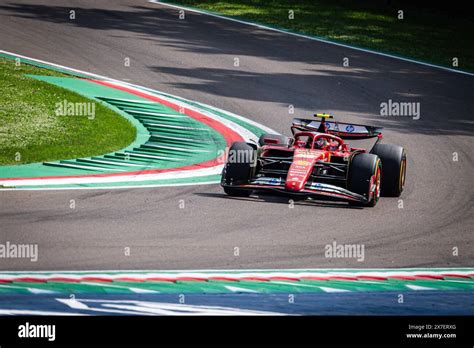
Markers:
{"x": 310, "y": 189}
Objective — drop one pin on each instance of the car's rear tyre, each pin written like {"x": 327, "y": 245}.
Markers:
{"x": 274, "y": 139}
{"x": 362, "y": 169}
{"x": 238, "y": 168}
{"x": 394, "y": 165}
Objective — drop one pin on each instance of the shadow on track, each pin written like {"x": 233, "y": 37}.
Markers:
{"x": 279, "y": 199}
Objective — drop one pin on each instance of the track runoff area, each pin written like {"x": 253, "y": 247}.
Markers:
{"x": 179, "y": 142}
{"x": 183, "y": 142}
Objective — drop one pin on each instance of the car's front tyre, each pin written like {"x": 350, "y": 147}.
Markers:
{"x": 365, "y": 174}
{"x": 238, "y": 169}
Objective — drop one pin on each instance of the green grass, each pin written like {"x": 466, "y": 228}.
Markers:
{"x": 31, "y": 131}
{"x": 425, "y": 33}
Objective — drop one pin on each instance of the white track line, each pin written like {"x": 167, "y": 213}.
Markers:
{"x": 260, "y": 26}
{"x": 178, "y": 174}
{"x": 121, "y": 187}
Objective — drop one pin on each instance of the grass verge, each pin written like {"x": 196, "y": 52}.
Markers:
{"x": 32, "y": 131}
{"x": 434, "y": 35}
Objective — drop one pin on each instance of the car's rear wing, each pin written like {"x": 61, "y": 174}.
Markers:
{"x": 340, "y": 129}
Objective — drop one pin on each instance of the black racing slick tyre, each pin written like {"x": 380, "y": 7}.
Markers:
{"x": 238, "y": 168}
{"x": 394, "y": 165}
{"x": 274, "y": 139}
{"x": 363, "y": 166}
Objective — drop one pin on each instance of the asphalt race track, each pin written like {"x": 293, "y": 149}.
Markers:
{"x": 194, "y": 58}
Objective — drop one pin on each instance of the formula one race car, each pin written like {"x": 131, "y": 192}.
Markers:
{"x": 316, "y": 162}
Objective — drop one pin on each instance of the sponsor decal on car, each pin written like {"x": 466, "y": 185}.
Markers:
{"x": 302, "y": 163}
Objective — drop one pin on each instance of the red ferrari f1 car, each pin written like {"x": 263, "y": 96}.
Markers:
{"x": 317, "y": 162}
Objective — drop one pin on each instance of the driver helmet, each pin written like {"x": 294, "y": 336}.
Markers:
{"x": 333, "y": 145}
{"x": 321, "y": 143}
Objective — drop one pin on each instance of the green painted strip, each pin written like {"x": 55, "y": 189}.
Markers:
{"x": 254, "y": 129}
